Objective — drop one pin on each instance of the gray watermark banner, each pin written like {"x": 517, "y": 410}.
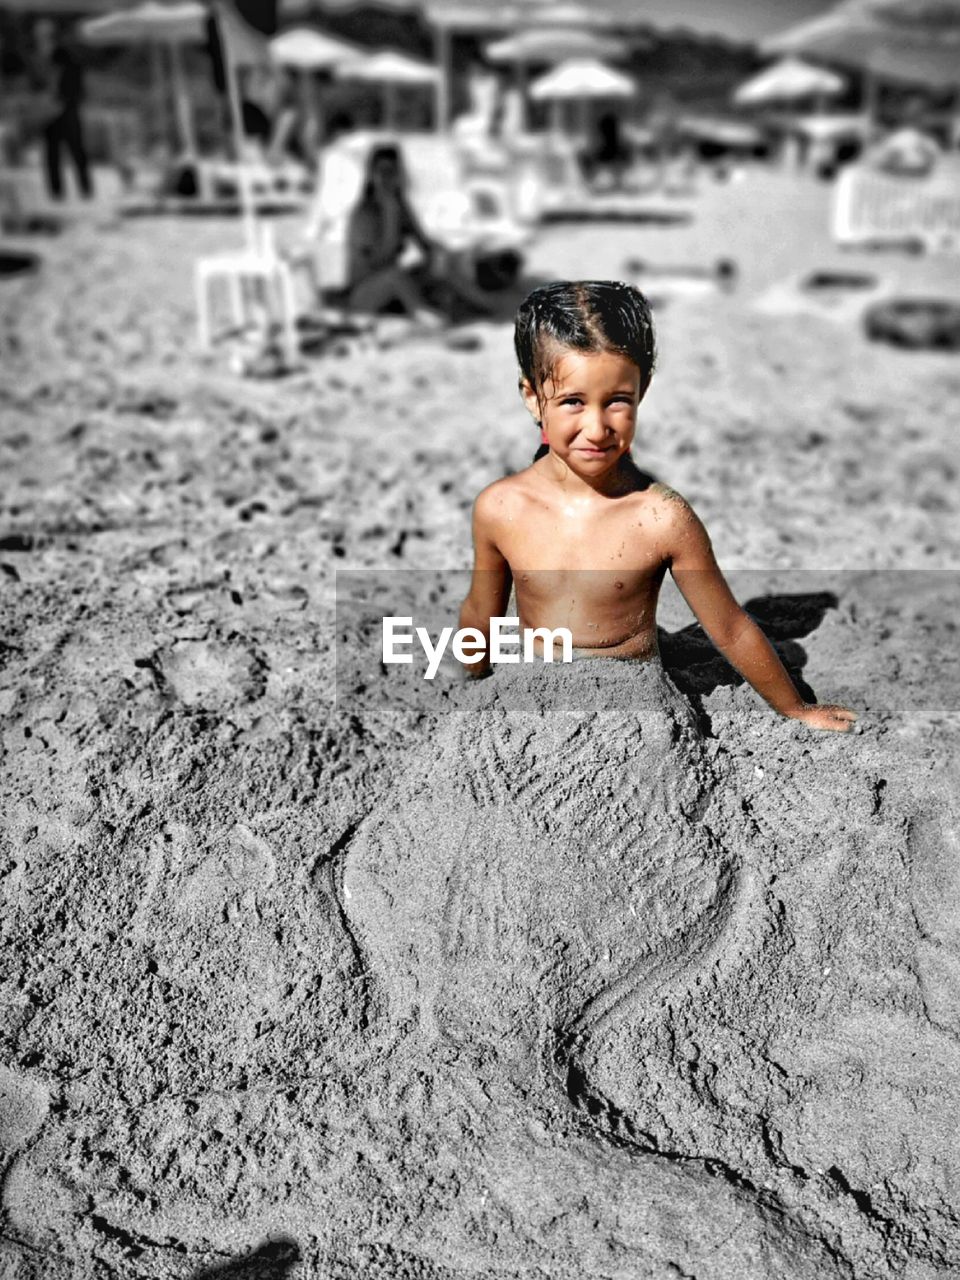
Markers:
{"x": 836, "y": 631}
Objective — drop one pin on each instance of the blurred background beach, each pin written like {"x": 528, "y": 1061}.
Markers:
{"x": 200, "y": 426}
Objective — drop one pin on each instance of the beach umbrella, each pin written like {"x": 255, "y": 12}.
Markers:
{"x": 553, "y": 44}
{"x": 183, "y": 23}
{"x": 303, "y": 8}
{"x": 790, "y": 80}
{"x": 391, "y": 71}
{"x": 170, "y": 25}
{"x": 387, "y": 67}
{"x": 492, "y": 17}
{"x": 537, "y": 12}
{"x": 64, "y": 8}
{"x": 581, "y": 80}
{"x": 915, "y": 41}
{"x": 307, "y": 50}
{"x": 478, "y": 16}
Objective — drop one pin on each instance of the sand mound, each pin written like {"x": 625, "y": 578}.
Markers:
{"x": 566, "y": 893}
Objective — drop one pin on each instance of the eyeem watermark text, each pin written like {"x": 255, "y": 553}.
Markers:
{"x": 507, "y": 643}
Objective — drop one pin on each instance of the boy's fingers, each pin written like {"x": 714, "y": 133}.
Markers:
{"x": 838, "y": 719}
{"x": 836, "y": 725}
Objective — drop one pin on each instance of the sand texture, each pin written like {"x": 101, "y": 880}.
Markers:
{"x": 601, "y": 971}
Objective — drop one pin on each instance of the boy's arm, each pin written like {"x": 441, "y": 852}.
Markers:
{"x": 491, "y": 582}
{"x": 733, "y": 631}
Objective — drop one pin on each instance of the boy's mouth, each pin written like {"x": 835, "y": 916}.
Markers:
{"x": 596, "y": 451}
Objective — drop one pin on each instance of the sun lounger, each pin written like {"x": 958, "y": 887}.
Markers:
{"x": 216, "y": 189}
{"x": 877, "y": 208}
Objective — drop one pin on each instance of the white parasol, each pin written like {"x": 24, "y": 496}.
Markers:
{"x": 553, "y": 44}
{"x": 62, "y": 8}
{"x": 390, "y": 70}
{"x": 183, "y": 23}
{"x": 304, "y": 49}
{"x": 581, "y": 79}
{"x": 171, "y": 25}
{"x": 917, "y": 41}
{"x": 789, "y": 80}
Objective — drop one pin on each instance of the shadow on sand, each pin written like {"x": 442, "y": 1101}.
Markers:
{"x": 275, "y": 1259}
{"x": 697, "y": 669}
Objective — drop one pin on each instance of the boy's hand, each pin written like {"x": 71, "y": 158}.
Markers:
{"x": 827, "y": 715}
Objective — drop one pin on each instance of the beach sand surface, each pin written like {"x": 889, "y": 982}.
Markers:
{"x": 592, "y": 971}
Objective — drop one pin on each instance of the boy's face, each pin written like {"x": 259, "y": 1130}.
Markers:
{"x": 588, "y": 409}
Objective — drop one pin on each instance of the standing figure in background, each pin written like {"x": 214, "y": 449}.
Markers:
{"x": 61, "y": 76}
{"x": 607, "y": 158}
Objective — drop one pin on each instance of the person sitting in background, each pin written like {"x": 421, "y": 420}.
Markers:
{"x": 381, "y": 229}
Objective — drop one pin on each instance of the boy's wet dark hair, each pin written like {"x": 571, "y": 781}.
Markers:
{"x": 585, "y": 315}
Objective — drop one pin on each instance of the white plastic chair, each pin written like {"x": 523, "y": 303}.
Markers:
{"x": 255, "y": 269}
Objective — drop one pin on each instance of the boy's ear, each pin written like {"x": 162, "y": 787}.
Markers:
{"x": 530, "y": 399}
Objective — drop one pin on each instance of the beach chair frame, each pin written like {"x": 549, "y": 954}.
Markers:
{"x": 256, "y": 269}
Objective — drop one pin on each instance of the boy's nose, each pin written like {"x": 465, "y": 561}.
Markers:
{"x": 596, "y": 428}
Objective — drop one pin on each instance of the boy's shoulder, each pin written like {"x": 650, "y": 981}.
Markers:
{"x": 504, "y": 494}
{"x": 668, "y": 499}
{"x": 673, "y": 514}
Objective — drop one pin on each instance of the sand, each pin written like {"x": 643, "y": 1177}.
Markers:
{"x": 574, "y": 972}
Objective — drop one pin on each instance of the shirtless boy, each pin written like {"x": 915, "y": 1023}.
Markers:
{"x": 582, "y": 534}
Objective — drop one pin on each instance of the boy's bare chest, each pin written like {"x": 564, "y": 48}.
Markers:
{"x": 575, "y": 538}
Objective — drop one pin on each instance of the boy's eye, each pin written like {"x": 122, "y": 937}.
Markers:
{"x": 571, "y": 400}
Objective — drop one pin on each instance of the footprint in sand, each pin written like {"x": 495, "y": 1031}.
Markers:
{"x": 934, "y": 847}
{"x": 218, "y": 879}
{"x": 212, "y": 674}
{"x": 547, "y": 872}
{"x": 24, "y": 1106}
